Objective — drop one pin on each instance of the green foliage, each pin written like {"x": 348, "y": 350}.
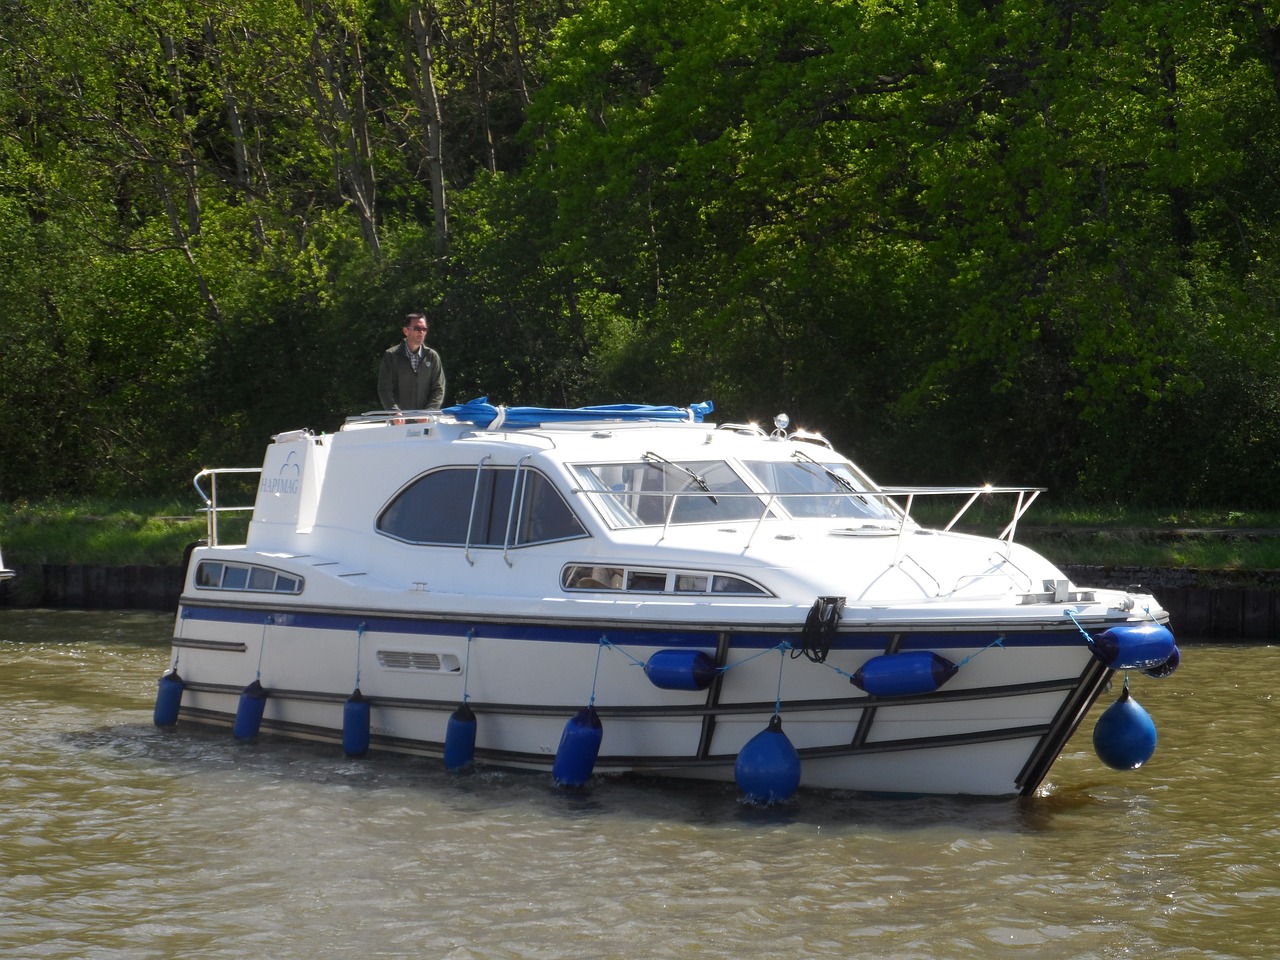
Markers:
{"x": 1001, "y": 241}
{"x": 99, "y": 531}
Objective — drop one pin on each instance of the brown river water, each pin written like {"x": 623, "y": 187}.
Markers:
{"x": 119, "y": 840}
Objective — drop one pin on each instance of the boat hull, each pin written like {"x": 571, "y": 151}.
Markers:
{"x": 993, "y": 729}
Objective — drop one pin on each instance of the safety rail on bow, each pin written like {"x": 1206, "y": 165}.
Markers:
{"x": 898, "y": 500}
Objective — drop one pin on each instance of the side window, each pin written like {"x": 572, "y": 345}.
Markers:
{"x": 216, "y": 575}
{"x": 542, "y": 514}
{"x": 435, "y": 507}
{"x": 432, "y": 509}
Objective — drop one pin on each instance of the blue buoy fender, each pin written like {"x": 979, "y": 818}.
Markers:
{"x": 1125, "y": 735}
{"x": 1134, "y": 646}
{"x": 355, "y": 725}
{"x": 460, "y": 738}
{"x": 1165, "y": 669}
{"x": 903, "y": 674}
{"x": 168, "y": 699}
{"x": 253, "y": 700}
{"x": 768, "y": 767}
{"x": 680, "y": 670}
{"x": 579, "y": 747}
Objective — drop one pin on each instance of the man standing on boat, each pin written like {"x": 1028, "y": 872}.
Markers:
{"x": 411, "y": 376}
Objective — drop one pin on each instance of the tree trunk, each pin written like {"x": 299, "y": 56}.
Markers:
{"x": 342, "y": 124}
{"x": 422, "y": 84}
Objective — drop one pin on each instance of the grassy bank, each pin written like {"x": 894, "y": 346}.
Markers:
{"x": 156, "y": 531}
{"x": 109, "y": 533}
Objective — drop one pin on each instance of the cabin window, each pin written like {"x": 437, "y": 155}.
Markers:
{"x": 583, "y": 577}
{"x": 691, "y": 583}
{"x": 726, "y": 584}
{"x": 647, "y": 492}
{"x": 512, "y": 507}
{"x": 646, "y": 581}
{"x": 216, "y": 575}
{"x": 235, "y": 577}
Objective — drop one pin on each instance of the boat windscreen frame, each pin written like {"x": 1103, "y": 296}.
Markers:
{"x": 652, "y": 491}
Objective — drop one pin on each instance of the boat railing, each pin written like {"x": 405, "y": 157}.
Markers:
{"x": 212, "y": 508}
{"x": 898, "y": 502}
{"x": 1025, "y": 497}
{"x": 382, "y": 418}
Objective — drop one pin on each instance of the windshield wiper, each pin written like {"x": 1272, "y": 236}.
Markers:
{"x": 843, "y": 481}
{"x": 701, "y": 483}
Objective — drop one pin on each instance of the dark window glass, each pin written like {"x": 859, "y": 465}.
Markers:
{"x": 434, "y": 509}
{"x": 235, "y": 577}
{"x": 541, "y": 513}
{"x": 260, "y": 578}
{"x": 646, "y": 582}
{"x": 727, "y": 584}
{"x": 209, "y": 575}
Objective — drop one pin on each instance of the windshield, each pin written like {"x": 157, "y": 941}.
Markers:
{"x": 809, "y": 488}
{"x": 649, "y": 491}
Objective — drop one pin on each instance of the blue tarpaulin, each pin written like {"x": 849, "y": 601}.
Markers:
{"x": 483, "y": 414}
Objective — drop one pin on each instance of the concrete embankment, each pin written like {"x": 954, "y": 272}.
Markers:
{"x": 1204, "y": 605}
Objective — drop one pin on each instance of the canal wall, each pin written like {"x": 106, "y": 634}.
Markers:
{"x": 1202, "y": 604}
{"x": 81, "y": 586}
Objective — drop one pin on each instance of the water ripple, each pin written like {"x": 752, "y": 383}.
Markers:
{"x": 122, "y": 841}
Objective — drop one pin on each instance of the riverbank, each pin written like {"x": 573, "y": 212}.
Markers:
{"x": 1203, "y": 604}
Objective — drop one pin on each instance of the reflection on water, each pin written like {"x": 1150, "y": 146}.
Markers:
{"x": 118, "y": 840}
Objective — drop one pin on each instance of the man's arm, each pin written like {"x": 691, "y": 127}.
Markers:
{"x": 386, "y": 382}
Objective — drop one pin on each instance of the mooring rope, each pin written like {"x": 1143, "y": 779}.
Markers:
{"x": 262, "y": 647}
{"x": 466, "y": 669}
{"x": 359, "y": 640}
{"x": 604, "y": 641}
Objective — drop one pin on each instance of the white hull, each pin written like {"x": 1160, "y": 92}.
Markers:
{"x": 980, "y": 734}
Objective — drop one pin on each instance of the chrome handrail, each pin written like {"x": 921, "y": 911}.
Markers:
{"x": 211, "y": 509}
{"x": 1026, "y": 496}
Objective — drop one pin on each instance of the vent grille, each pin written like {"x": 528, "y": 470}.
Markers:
{"x": 409, "y": 660}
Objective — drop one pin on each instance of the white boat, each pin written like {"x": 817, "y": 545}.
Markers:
{"x": 635, "y": 589}
{"x": 5, "y": 572}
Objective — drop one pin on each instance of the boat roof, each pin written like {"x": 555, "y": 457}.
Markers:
{"x": 481, "y": 413}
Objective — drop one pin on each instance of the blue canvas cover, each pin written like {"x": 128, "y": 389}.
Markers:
{"x": 483, "y": 414}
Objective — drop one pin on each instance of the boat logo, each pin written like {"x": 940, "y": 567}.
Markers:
{"x": 289, "y": 480}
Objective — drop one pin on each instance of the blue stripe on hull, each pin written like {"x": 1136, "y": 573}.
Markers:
{"x": 559, "y": 633}
{"x": 622, "y": 636}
